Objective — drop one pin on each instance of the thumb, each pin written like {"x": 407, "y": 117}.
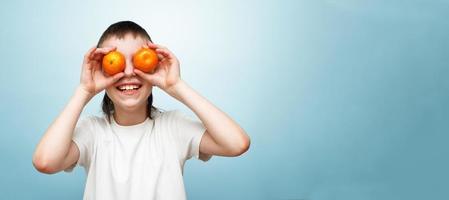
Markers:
{"x": 112, "y": 79}
{"x": 148, "y": 77}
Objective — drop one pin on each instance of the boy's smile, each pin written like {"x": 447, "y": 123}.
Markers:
{"x": 129, "y": 87}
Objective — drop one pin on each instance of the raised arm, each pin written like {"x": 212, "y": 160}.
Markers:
{"x": 56, "y": 151}
{"x": 223, "y": 136}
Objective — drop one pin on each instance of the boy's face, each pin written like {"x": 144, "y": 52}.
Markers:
{"x": 128, "y": 99}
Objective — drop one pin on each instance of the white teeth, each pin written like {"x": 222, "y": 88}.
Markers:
{"x": 128, "y": 87}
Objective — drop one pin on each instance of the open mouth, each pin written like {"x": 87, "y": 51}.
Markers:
{"x": 129, "y": 89}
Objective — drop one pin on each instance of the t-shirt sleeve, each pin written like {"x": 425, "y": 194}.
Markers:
{"x": 83, "y": 137}
{"x": 188, "y": 133}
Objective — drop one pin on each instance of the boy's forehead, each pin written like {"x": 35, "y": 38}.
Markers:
{"x": 127, "y": 45}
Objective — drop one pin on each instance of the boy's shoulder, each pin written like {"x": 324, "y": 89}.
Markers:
{"x": 92, "y": 120}
{"x": 160, "y": 113}
{"x": 171, "y": 113}
{"x": 177, "y": 115}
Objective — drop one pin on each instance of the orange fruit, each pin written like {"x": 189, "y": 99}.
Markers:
{"x": 145, "y": 60}
{"x": 113, "y": 63}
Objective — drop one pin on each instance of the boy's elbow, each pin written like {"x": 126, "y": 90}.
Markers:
{"x": 245, "y": 143}
{"x": 44, "y": 166}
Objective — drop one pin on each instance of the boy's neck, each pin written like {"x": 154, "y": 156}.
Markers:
{"x": 130, "y": 117}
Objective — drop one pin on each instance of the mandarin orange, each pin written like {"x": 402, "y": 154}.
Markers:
{"x": 145, "y": 60}
{"x": 113, "y": 63}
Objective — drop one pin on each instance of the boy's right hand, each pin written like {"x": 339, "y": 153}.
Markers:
{"x": 93, "y": 80}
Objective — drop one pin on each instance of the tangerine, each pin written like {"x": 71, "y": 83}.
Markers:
{"x": 113, "y": 63}
{"x": 145, "y": 60}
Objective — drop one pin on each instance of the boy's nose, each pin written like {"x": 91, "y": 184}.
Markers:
{"x": 129, "y": 69}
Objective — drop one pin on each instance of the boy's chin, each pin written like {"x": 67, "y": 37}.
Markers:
{"x": 131, "y": 104}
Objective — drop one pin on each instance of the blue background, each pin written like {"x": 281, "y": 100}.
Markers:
{"x": 343, "y": 99}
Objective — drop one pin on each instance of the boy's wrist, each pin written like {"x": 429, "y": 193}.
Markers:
{"x": 83, "y": 94}
{"x": 176, "y": 89}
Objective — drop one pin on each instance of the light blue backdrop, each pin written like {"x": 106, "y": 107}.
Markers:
{"x": 343, "y": 99}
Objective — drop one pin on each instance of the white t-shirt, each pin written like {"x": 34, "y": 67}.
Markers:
{"x": 143, "y": 161}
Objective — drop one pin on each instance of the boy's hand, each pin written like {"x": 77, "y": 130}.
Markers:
{"x": 166, "y": 74}
{"x": 93, "y": 79}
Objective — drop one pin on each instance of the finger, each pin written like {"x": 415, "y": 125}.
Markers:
{"x": 160, "y": 56}
{"x": 96, "y": 65}
{"x": 104, "y": 50}
{"x": 161, "y": 49}
{"x": 147, "y": 77}
{"x": 115, "y": 78}
{"x": 100, "y": 52}
{"x": 165, "y": 53}
{"x": 155, "y": 46}
{"x": 98, "y": 57}
{"x": 89, "y": 53}
{"x": 140, "y": 73}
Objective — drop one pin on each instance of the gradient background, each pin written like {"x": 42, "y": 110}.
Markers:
{"x": 343, "y": 99}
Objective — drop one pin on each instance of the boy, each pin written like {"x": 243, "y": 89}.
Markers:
{"x": 135, "y": 151}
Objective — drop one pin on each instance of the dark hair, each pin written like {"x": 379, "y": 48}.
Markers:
{"x": 120, "y": 30}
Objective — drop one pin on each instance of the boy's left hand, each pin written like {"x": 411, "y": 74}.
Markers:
{"x": 166, "y": 74}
